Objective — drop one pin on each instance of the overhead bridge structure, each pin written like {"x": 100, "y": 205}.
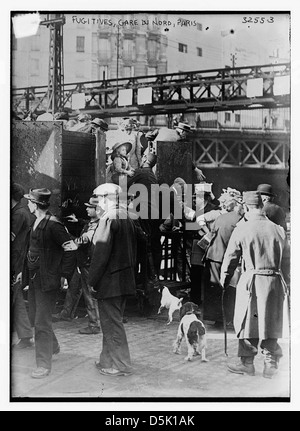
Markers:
{"x": 238, "y": 88}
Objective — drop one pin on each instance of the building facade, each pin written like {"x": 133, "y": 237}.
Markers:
{"x": 109, "y": 46}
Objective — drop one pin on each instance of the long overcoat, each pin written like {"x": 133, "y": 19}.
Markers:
{"x": 112, "y": 269}
{"x": 261, "y": 290}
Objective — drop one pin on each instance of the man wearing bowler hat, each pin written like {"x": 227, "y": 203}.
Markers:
{"x": 274, "y": 212}
{"x": 46, "y": 265}
{"x": 261, "y": 290}
{"x": 112, "y": 277}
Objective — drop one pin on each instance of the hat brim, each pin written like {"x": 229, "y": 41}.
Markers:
{"x": 35, "y": 201}
{"x": 89, "y": 205}
{"x": 267, "y": 194}
{"x": 128, "y": 146}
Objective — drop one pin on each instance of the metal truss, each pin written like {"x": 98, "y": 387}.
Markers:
{"x": 197, "y": 91}
{"x": 242, "y": 149}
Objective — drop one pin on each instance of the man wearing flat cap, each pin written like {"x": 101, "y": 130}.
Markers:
{"x": 21, "y": 220}
{"x": 112, "y": 277}
{"x": 261, "y": 293}
{"x": 274, "y": 212}
{"x": 45, "y": 268}
{"x": 84, "y": 253}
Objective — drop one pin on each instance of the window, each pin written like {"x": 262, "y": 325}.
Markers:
{"x": 80, "y": 44}
{"x": 128, "y": 49}
{"x": 227, "y": 116}
{"x": 182, "y": 48}
{"x": 199, "y": 26}
{"x": 237, "y": 118}
{"x": 104, "y": 48}
{"x": 199, "y": 52}
{"x": 152, "y": 49}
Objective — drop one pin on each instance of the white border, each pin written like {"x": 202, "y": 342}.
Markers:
{"x": 168, "y": 5}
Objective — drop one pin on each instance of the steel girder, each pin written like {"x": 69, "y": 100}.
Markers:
{"x": 195, "y": 91}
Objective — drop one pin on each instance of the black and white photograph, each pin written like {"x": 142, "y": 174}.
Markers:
{"x": 149, "y": 220}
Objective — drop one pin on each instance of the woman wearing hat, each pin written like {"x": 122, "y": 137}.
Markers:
{"x": 120, "y": 168}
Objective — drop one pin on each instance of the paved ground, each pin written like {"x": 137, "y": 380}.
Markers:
{"x": 159, "y": 373}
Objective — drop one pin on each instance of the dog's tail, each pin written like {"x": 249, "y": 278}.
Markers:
{"x": 196, "y": 330}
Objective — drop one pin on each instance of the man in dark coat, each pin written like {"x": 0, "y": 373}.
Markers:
{"x": 221, "y": 230}
{"x": 21, "y": 220}
{"x": 274, "y": 212}
{"x": 46, "y": 266}
{"x": 112, "y": 277}
{"x": 150, "y": 224}
{"x": 261, "y": 293}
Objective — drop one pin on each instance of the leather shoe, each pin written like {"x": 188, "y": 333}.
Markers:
{"x": 59, "y": 316}
{"x": 112, "y": 372}
{"x": 40, "y": 373}
{"x": 242, "y": 367}
{"x": 269, "y": 371}
{"x": 89, "y": 330}
{"x": 24, "y": 343}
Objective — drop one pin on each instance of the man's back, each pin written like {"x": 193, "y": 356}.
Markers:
{"x": 112, "y": 267}
{"x": 222, "y": 230}
{"x": 275, "y": 213}
{"x": 260, "y": 241}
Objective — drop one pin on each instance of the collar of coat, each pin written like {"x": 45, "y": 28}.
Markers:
{"x": 255, "y": 216}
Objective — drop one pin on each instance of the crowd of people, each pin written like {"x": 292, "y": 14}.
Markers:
{"x": 234, "y": 244}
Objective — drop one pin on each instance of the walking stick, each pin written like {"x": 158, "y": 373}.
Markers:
{"x": 224, "y": 323}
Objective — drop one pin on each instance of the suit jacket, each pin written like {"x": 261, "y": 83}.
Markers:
{"x": 222, "y": 229}
{"x": 21, "y": 219}
{"x": 54, "y": 261}
{"x": 112, "y": 269}
{"x": 275, "y": 213}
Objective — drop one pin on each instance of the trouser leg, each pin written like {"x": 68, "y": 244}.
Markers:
{"x": 41, "y": 305}
{"x": 271, "y": 347}
{"x": 248, "y": 347}
{"x": 115, "y": 352}
{"x": 20, "y": 316}
{"x": 73, "y": 295}
{"x": 272, "y": 353}
{"x": 90, "y": 303}
{"x": 196, "y": 280}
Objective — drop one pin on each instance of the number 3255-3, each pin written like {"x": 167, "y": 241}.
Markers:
{"x": 257, "y": 19}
